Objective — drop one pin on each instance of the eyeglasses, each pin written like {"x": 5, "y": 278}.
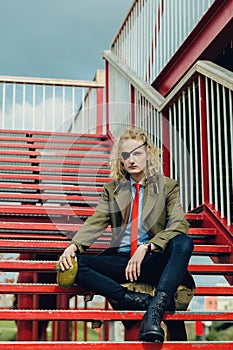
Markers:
{"x": 126, "y": 155}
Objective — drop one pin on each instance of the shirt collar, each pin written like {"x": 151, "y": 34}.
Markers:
{"x": 132, "y": 182}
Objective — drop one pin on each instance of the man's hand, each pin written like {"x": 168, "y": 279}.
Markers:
{"x": 133, "y": 269}
{"x": 65, "y": 258}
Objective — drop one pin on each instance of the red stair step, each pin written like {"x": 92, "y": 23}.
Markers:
{"x": 49, "y": 187}
{"x": 49, "y": 196}
{"x": 109, "y": 315}
{"x": 101, "y": 244}
{"x": 212, "y": 249}
{"x": 66, "y": 210}
{"x": 37, "y": 288}
{"x": 106, "y": 345}
{"x": 215, "y": 269}
{"x": 49, "y": 209}
{"x": 54, "y": 169}
{"x": 60, "y": 179}
{"x": 56, "y": 153}
{"x": 59, "y": 162}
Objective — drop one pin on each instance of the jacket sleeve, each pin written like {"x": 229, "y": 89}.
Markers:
{"x": 176, "y": 222}
{"x": 95, "y": 225}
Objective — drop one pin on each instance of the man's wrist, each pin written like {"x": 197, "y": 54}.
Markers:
{"x": 147, "y": 246}
{"x": 150, "y": 247}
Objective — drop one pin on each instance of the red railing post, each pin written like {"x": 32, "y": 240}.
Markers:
{"x": 204, "y": 138}
{"x": 63, "y": 326}
{"x": 25, "y": 301}
{"x": 166, "y": 146}
{"x": 99, "y": 111}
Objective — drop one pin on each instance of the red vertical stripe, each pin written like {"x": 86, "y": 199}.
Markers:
{"x": 204, "y": 135}
{"x": 166, "y": 146}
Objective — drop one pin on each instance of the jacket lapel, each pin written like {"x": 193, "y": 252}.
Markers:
{"x": 123, "y": 195}
{"x": 151, "y": 195}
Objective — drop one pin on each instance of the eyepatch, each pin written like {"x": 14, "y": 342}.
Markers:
{"x": 126, "y": 155}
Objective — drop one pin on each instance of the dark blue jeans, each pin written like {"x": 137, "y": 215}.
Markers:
{"x": 104, "y": 274}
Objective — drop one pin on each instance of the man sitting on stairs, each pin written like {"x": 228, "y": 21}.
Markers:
{"x": 149, "y": 242}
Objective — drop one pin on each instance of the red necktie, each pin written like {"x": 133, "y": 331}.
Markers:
{"x": 134, "y": 222}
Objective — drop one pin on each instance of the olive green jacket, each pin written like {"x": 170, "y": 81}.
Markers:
{"x": 162, "y": 214}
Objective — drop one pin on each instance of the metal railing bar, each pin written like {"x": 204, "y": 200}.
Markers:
{"x": 33, "y": 106}
{"x": 3, "y": 104}
{"x": 53, "y": 106}
{"x": 186, "y": 167}
{"x": 220, "y": 151}
{"x": 214, "y": 146}
{"x": 24, "y": 106}
{"x": 206, "y": 68}
{"x": 63, "y": 107}
{"x": 154, "y": 97}
{"x": 43, "y": 106}
{"x": 56, "y": 82}
{"x": 175, "y": 143}
{"x": 227, "y": 177}
{"x": 231, "y": 130}
{"x": 180, "y": 153}
{"x": 191, "y": 147}
{"x": 195, "y": 143}
{"x": 208, "y": 118}
{"x": 13, "y": 106}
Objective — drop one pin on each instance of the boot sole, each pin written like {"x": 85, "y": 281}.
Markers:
{"x": 153, "y": 337}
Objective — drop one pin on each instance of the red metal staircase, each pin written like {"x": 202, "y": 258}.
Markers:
{"x": 49, "y": 184}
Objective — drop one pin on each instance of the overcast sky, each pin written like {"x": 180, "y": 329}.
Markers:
{"x": 57, "y": 38}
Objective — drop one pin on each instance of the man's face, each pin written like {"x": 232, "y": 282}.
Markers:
{"x": 135, "y": 161}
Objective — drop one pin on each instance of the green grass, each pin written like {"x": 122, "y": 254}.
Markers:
{"x": 7, "y": 330}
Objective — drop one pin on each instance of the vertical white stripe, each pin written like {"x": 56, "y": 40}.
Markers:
{"x": 53, "y": 108}
{"x": 63, "y": 107}
{"x": 43, "y": 106}
{"x": 82, "y": 113}
{"x": 190, "y": 117}
{"x": 196, "y": 145}
{"x": 209, "y": 142}
{"x": 23, "y": 106}
{"x": 185, "y": 155}
{"x": 171, "y": 141}
{"x": 175, "y": 143}
{"x": 13, "y": 106}
{"x": 219, "y": 128}
{"x": 73, "y": 108}
{"x": 180, "y": 153}
{"x": 33, "y": 106}
{"x": 213, "y": 113}
{"x": 3, "y": 104}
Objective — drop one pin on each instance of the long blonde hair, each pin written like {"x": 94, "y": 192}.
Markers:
{"x": 118, "y": 171}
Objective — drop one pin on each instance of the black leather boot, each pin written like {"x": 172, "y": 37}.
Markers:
{"x": 132, "y": 301}
{"x": 150, "y": 329}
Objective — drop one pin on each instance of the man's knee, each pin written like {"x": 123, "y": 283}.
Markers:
{"x": 183, "y": 243}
